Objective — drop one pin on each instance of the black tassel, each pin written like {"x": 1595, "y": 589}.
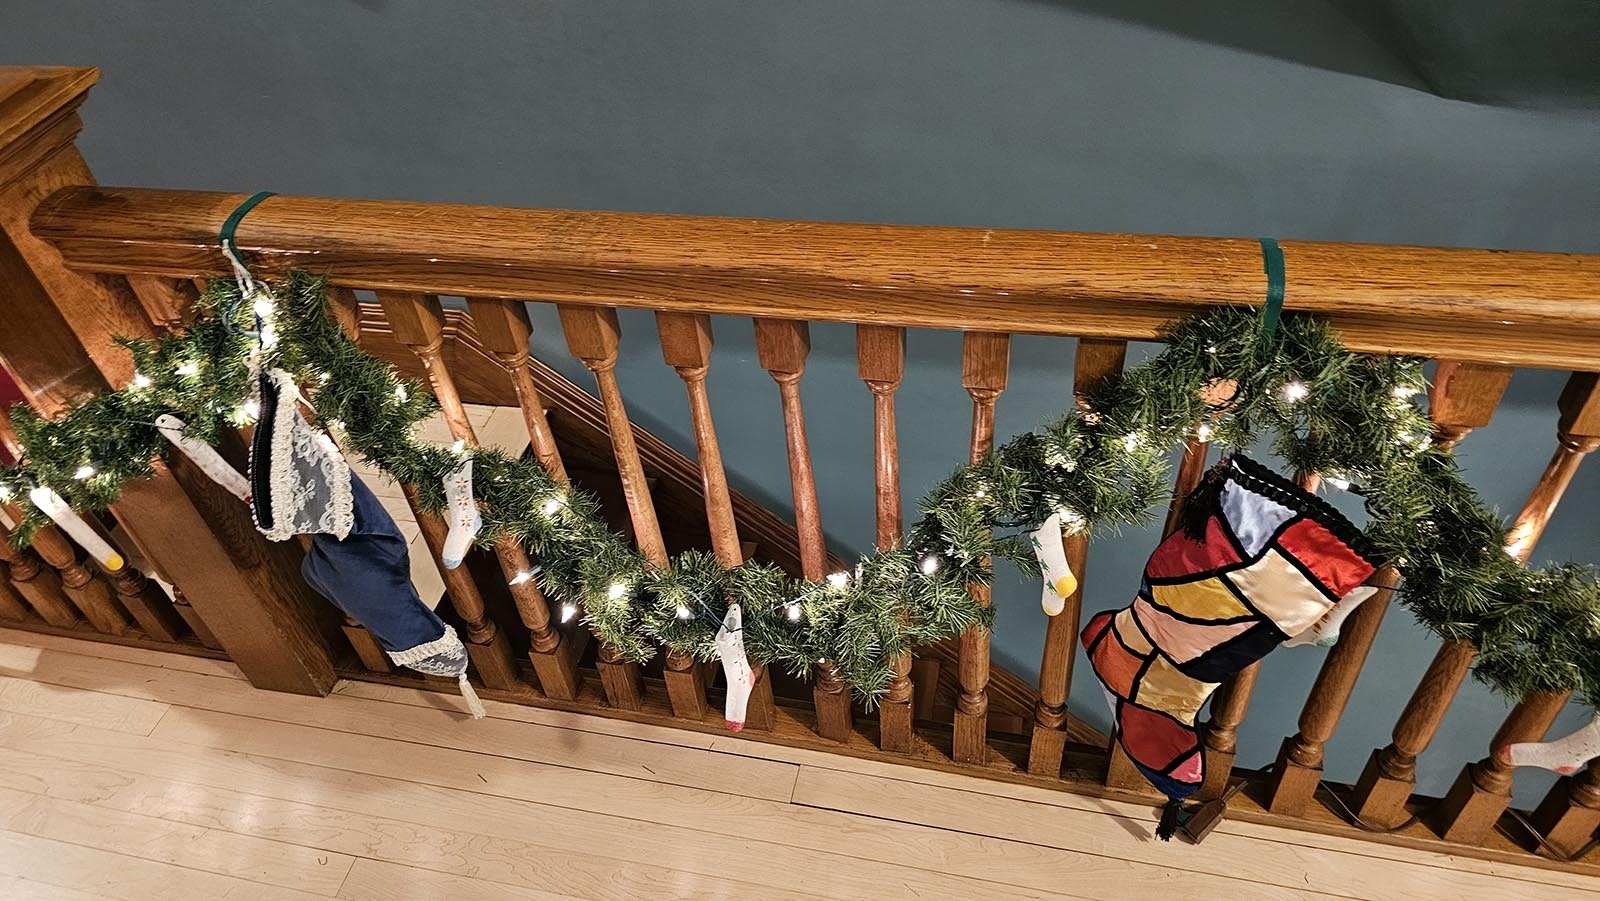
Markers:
{"x": 1168, "y": 827}
{"x": 1204, "y": 500}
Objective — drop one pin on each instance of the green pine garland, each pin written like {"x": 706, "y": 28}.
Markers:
{"x": 1347, "y": 416}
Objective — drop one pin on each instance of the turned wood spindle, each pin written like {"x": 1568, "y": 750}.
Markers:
{"x": 1462, "y": 398}
{"x": 783, "y": 345}
{"x": 881, "y": 363}
{"x": 1482, "y": 791}
{"x": 985, "y": 358}
{"x": 504, "y": 329}
{"x": 1097, "y": 360}
{"x": 91, "y": 595}
{"x": 38, "y": 584}
{"x": 686, "y": 343}
{"x": 593, "y": 335}
{"x": 12, "y": 607}
{"x": 418, "y": 322}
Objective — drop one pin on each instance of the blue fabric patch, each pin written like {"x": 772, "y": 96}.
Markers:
{"x": 1253, "y": 518}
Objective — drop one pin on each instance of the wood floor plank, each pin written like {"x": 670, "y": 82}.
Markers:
{"x": 820, "y": 831}
{"x": 15, "y": 888}
{"x": 111, "y": 875}
{"x": 154, "y": 838}
{"x": 1222, "y": 855}
{"x": 440, "y": 844}
{"x": 373, "y": 880}
{"x": 11, "y": 639}
{"x": 443, "y": 728}
{"x": 89, "y": 708}
{"x": 1148, "y": 814}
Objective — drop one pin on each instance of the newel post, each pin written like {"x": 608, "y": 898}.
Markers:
{"x": 57, "y": 331}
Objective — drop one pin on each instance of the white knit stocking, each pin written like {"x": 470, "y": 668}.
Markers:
{"x": 204, "y": 456}
{"x": 1325, "y": 631}
{"x": 53, "y": 506}
{"x": 1059, "y": 582}
{"x": 1564, "y": 755}
{"x": 462, "y": 515}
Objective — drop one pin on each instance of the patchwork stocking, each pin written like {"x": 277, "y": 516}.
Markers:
{"x": 1258, "y": 560}
{"x": 464, "y": 518}
{"x": 1564, "y": 755}
{"x": 735, "y": 667}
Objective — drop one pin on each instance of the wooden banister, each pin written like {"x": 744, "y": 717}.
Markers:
{"x": 985, "y": 361}
{"x": 37, "y": 584}
{"x": 1096, "y": 361}
{"x": 881, "y": 364}
{"x": 1535, "y": 309}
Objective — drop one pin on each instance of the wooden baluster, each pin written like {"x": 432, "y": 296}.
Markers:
{"x": 38, "y": 584}
{"x": 418, "y": 322}
{"x": 12, "y": 608}
{"x": 192, "y": 619}
{"x": 1097, "y": 361}
{"x": 985, "y": 358}
{"x": 592, "y": 336}
{"x": 1463, "y": 398}
{"x": 782, "y": 345}
{"x": 150, "y": 606}
{"x": 881, "y": 362}
{"x": 92, "y": 596}
{"x": 504, "y": 329}
{"x": 686, "y": 343}
{"x": 1570, "y": 812}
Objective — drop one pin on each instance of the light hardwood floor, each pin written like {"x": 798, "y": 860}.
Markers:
{"x": 132, "y": 774}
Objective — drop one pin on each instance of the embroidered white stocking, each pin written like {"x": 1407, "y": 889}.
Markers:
{"x": 1564, "y": 755}
{"x": 204, "y": 456}
{"x": 735, "y": 667}
{"x": 463, "y": 516}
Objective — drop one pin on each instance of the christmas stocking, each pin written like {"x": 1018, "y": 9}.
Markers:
{"x": 300, "y": 483}
{"x": 1059, "y": 582}
{"x": 1564, "y": 755}
{"x": 464, "y": 518}
{"x": 1325, "y": 632}
{"x": 204, "y": 456}
{"x": 55, "y": 507}
{"x": 1257, "y": 560}
{"x": 735, "y": 667}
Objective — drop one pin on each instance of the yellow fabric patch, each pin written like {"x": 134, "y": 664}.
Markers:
{"x": 1065, "y": 586}
{"x": 1282, "y": 592}
{"x": 1164, "y": 688}
{"x": 1208, "y": 599}
{"x": 1128, "y": 630}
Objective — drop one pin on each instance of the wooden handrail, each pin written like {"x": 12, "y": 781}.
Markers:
{"x": 1519, "y": 308}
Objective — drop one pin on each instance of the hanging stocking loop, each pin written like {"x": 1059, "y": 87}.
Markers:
{"x": 230, "y": 249}
{"x": 1272, "y": 262}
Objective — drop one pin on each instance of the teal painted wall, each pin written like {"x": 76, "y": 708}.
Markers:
{"x": 1007, "y": 113}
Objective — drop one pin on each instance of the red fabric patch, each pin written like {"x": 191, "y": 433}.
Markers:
{"x": 1116, "y": 666}
{"x": 1096, "y": 625}
{"x": 1328, "y": 558}
{"x": 1154, "y": 740}
{"x": 1181, "y": 555}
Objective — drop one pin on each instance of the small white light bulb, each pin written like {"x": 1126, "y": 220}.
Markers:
{"x": 264, "y": 307}
{"x": 1294, "y": 392}
{"x": 1211, "y": 348}
{"x": 140, "y": 380}
{"x": 1338, "y": 482}
{"x": 188, "y": 369}
{"x": 616, "y": 591}
{"x": 552, "y": 506}
{"x": 930, "y": 565}
{"x": 250, "y": 409}
{"x": 1072, "y": 519}
{"x": 568, "y": 611}
{"x": 1404, "y": 392}
{"x": 980, "y": 494}
{"x": 521, "y": 577}
{"x": 1202, "y": 433}
{"x": 83, "y": 472}
{"x": 400, "y": 392}
{"x": 324, "y": 377}
{"x": 5, "y": 492}
{"x": 838, "y": 581}
{"x": 793, "y": 611}
{"x": 1130, "y": 442}
{"x": 683, "y": 612}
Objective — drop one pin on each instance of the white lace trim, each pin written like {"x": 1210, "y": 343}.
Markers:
{"x": 448, "y": 643}
{"x": 280, "y": 472}
{"x": 294, "y": 439}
